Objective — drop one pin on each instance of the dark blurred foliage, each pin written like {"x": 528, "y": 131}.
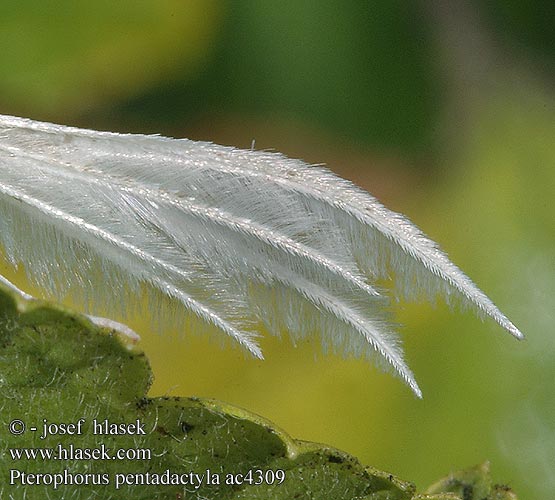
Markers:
{"x": 524, "y": 25}
{"x": 370, "y": 72}
{"x": 361, "y": 69}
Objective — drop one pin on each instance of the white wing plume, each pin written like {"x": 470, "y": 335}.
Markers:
{"x": 238, "y": 238}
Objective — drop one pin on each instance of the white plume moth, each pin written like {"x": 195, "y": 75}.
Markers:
{"x": 226, "y": 237}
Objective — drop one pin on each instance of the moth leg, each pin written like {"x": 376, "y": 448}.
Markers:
{"x": 114, "y": 325}
{"x": 98, "y": 321}
{"x": 13, "y": 288}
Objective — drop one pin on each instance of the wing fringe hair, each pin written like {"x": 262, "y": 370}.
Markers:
{"x": 239, "y": 239}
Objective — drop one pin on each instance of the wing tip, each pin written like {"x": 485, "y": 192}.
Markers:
{"x": 507, "y": 324}
{"x": 415, "y": 388}
{"x": 514, "y": 331}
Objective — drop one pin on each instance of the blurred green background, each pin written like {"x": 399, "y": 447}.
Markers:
{"x": 444, "y": 110}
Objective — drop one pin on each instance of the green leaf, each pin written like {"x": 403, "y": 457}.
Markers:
{"x": 472, "y": 484}
{"x": 61, "y": 373}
